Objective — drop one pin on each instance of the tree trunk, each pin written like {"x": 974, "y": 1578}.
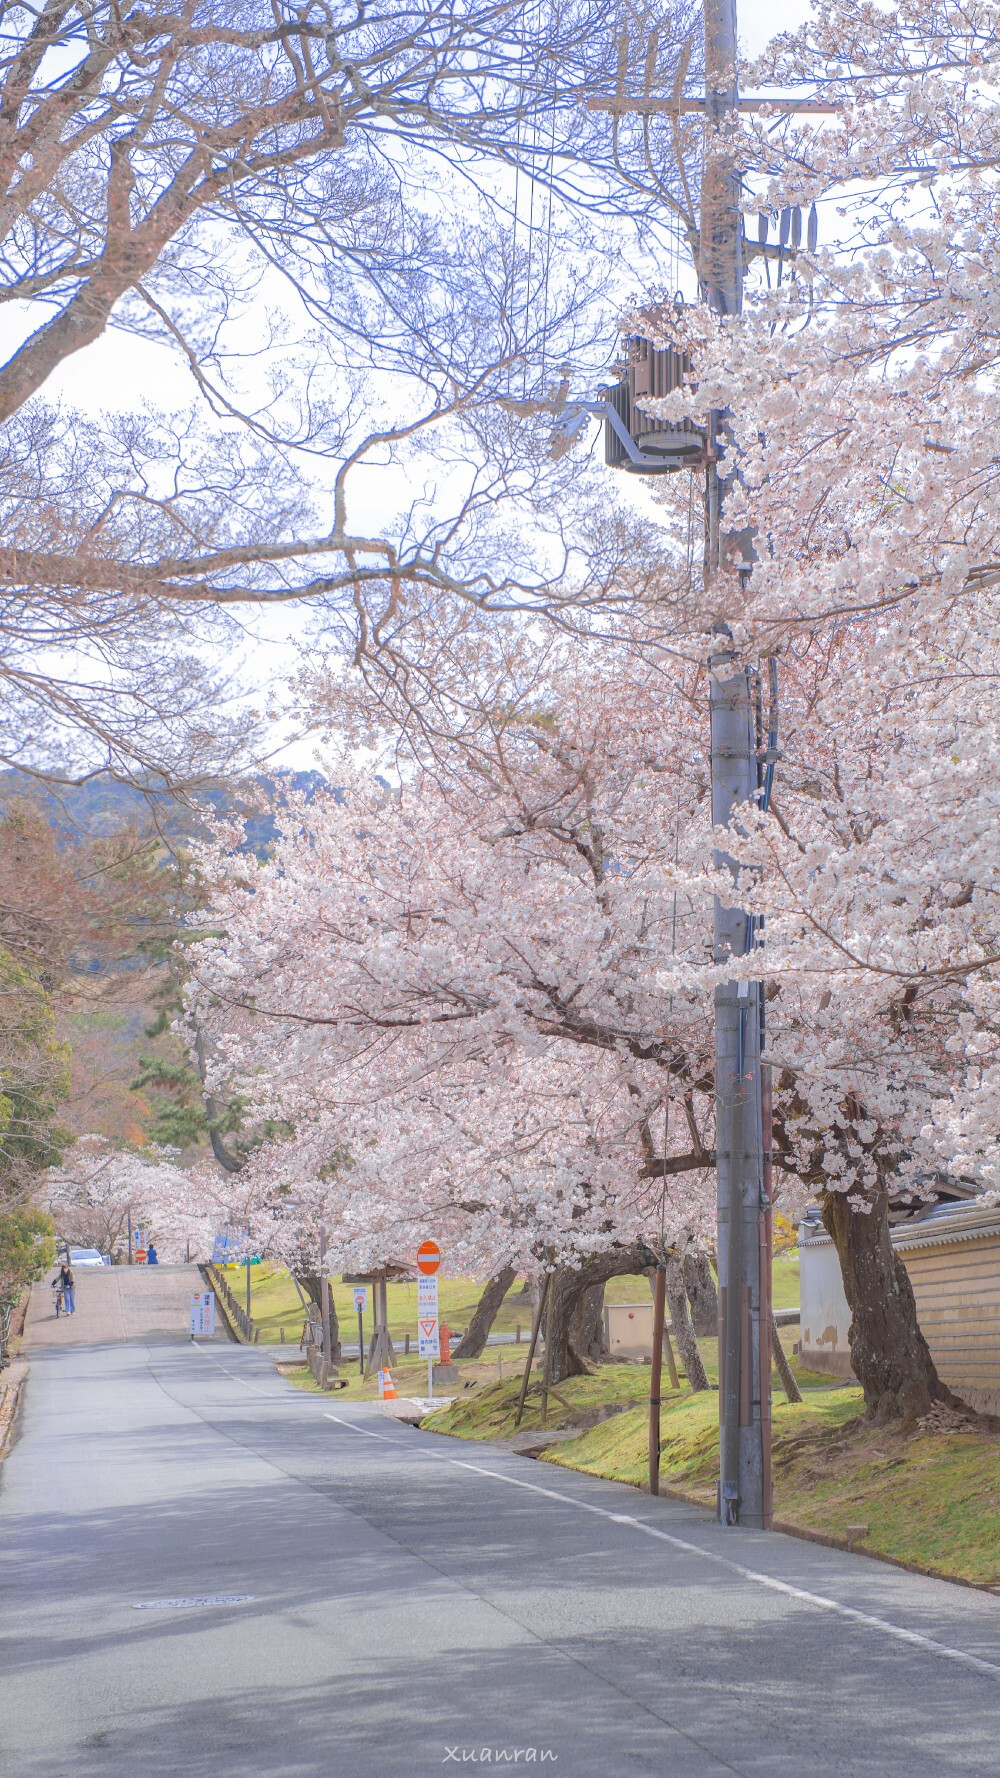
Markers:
{"x": 782, "y": 1366}
{"x": 570, "y": 1288}
{"x": 473, "y": 1341}
{"x": 587, "y": 1335}
{"x": 565, "y": 1290}
{"x": 701, "y": 1292}
{"x": 310, "y": 1282}
{"x": 687, "y": 1344}
{"x": 889, "y": 1354}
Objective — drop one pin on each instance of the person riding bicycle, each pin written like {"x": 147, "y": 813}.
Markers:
{"x": 64, "y": 1285}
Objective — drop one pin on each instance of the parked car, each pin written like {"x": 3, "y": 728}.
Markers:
{"x": 87, "y": 1256}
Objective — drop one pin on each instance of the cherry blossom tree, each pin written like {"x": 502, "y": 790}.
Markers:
{"x": 98, "y": 1189}
{"x": 460, "y": 986}
{"x": 860, "y": 397}
{"x": 533, "y": 898}
{"x": 875, "y": 878}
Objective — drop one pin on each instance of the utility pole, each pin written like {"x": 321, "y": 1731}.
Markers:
{"x": 743, "y": 1161}
{"x": 744, "y": 1261}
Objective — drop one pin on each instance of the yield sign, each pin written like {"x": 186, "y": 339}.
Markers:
{"x": 427, "y": 1328}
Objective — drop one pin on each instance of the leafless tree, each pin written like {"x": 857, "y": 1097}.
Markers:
{"x": 321, "y": 210}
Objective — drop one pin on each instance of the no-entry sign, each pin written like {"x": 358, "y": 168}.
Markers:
{"x": 428, "y": 1258}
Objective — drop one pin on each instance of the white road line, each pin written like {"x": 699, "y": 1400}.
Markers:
{"x": 912, "y": 1638}
{"x": 224, "y": 1367}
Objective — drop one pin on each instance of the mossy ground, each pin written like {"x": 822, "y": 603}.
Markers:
{"x": 409, "y": 1376}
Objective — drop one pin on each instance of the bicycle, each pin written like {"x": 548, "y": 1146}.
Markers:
{"x": 60, "y": 1302}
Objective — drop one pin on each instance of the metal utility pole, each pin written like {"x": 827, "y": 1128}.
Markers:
{"x": 645, "y": 445}
{"x": 743, "y": 1225}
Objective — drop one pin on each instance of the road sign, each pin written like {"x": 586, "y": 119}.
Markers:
{"x": 428, "y": 1258}
{"x": 203, "y": 1316}
{"x": 428, "y": 1326}
{"x": 228, "y": 1248}
{"x": 361, "y": 1298}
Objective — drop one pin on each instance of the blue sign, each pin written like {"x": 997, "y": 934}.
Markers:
{"x": 229, "y": 1249}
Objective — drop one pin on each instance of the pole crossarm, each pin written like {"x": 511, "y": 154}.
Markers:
{"x": 567, "y": 421}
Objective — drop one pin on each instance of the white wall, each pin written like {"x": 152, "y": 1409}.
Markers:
{"x": 825, "y": 1317}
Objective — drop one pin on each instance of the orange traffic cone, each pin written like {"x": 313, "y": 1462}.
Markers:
{"x": 388, "y": 1387}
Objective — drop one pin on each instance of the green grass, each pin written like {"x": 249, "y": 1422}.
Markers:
{"x": 409, "y": 1376}
{"x": 785, "y": 1281}
{"x": 276, "y": 1303}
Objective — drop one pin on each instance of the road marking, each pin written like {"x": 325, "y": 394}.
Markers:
{"x": 912, "y": 1638}
{"x": 897, "y": 1632}
{"x": 203, "y": 1599}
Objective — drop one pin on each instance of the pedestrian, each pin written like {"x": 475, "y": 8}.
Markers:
{"x": 64, "y": 1285}
{"x": 152, "y": 1257}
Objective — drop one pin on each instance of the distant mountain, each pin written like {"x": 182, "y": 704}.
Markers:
{"x": 102, "y": 804}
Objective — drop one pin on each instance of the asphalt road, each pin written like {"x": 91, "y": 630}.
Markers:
{"x": 417, "y": 1604}
{"x": 116, "y": 1303}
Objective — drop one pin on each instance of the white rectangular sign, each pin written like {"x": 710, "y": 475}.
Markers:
{"x": 428, "y": 1326}
{"x": 203, "y": 1316}
{"x": 360, "y": 1298}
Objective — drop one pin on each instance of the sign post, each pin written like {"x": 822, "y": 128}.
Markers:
{"x": 361, "y": 1304}
{"x": 428, "y": 1325}
{"x": 203, "y": 1316}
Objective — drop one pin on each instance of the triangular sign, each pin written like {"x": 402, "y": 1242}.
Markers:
{"x": 428, "y": 1327}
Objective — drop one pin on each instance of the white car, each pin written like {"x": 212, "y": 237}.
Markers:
{"x": 86, "y": 1256}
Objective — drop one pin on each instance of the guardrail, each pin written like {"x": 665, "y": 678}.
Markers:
{"x": 242, "y": 1324}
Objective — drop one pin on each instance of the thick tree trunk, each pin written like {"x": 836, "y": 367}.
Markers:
{"x": 310, "y": 1282}
{"x": 571, "y": 1288}
{"x": 587, "y": 1335}
{"x": 566, "y": 1289}
{"x": 684, "y": 1334}
{"x": 473, "y": 1341}
{"x": 889, "y": 1354}
{"x": 701, "y": 1293}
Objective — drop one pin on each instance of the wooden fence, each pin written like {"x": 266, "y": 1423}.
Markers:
{"x": 242, "y": 1324}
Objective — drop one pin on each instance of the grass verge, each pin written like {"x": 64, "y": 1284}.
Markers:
{"x": 409, "y": 1376}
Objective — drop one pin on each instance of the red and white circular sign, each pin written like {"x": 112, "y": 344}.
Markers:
{"x": 428, "y": 1258}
